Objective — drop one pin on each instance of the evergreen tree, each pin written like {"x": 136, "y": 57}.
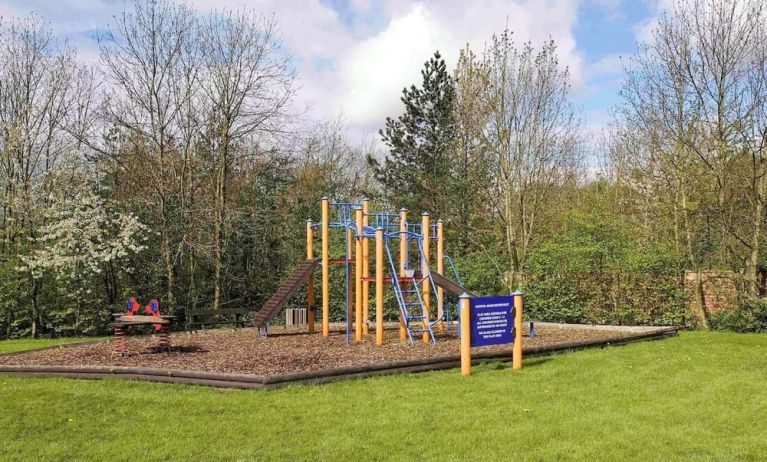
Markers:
{"x": 417, "y": 172}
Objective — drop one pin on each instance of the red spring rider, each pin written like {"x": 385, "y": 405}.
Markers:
{"x": 154, "y": 309}
{"x": 132, "y": 307}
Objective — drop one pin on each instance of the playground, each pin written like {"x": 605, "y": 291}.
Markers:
{"x": 291, "y": 357}
{"x": 383, "y": 231}
{"x": 437, "y": 323}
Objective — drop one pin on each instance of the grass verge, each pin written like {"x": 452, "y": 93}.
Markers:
{"x": 13, "y": 346}
{"x": 698, "y": 396}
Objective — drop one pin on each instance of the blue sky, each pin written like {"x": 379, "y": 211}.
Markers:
{"x": 354, "y": 56}
{"x": 607, "y": 34}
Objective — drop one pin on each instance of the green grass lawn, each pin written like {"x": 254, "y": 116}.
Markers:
{"x": 12, "y": 346}
{"x": 694, "y": 397}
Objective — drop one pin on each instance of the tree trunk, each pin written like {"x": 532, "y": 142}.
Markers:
{"x": 191, "y": 301}
{"x": 752, "y": 262}
{"x": 168, "y": 257}
{"x": 699, "y": 302}
{"x": 35, "y": 309}
{"x": 511, "y": 241}
{"x": 218, "y": 225}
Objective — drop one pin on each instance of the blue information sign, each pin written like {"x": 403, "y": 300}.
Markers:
{"x": 492, "y": 321}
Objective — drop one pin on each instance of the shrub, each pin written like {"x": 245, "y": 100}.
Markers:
{"x": 749, "y": 316}
{"x": 478, "y": 273}
{"x": 554, "y": 300}
{"x": 596, "y": 272}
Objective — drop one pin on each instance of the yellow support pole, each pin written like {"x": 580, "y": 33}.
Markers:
{"x": 310, "y": 282}
{"x": 325, "y": 267}
{"x": 426, "y": 286}
{"x": 358, "y": 276}
{"x": 402, "y": 262}
{"x": 519, "y": 303}
{"x": 440, "y": 271}
{"x": 379, "y": 285}
{"x": 365, "y": 269}
{"x": 465, "y": 335}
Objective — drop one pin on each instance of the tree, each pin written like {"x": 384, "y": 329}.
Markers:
{"x": 693, "y": 130}
{"x": 85, "y": 236}
{"x": 533, "y": 133}
{"x": 721, "y": 64}
{"x": 660, "y": 112}
{"x": 35, "y": 85}
{"x": 150, "y": 61}
{"x": 247, "y": 83}
{"x": 417, "y": 170}
{"x": 470, "y": 153}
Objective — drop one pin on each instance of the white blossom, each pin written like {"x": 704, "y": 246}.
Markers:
{"x": 82, "y": 235}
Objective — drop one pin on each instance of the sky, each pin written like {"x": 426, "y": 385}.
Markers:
{"x": 353, "y": 57}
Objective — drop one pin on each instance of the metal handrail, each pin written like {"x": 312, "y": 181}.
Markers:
{"x": 453, "y": 269}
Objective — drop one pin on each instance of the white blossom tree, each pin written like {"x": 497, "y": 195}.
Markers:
{"x": 86, "y": 237}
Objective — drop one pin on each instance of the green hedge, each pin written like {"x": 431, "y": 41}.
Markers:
{"x": 749, "y": 316}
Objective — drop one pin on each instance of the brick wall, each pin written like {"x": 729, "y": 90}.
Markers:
{"x": 720, "y": 289}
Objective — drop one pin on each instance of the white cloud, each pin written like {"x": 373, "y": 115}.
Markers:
{"x": 600, "y": 76}
{"x": 608, "y": 64}
{"x": 611, "y": 9}
{"x": 644, "y": 30}
{"x": 309, "y": 28}
{"x": 595, "y": 121}
{"x": 376, "y": 69}
{"x": 311, "y": 32}
{"x": 358, "y": 69}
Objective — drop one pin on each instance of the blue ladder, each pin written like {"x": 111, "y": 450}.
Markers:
{"x": 409, "y": 299}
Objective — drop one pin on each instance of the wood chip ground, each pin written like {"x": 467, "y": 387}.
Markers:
{"x": 243, "y": 351}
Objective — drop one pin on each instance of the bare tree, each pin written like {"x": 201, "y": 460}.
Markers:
{"x": 695, "y": 96}
{"x": 326, "y": 154}
{"x": 754, "y": 138}
{"x": 470, "y": 149}
{"x": 34, "y": 83}
{"x": 533, "y": 131}
{"x": 247, "y": 82}
{"x": 660, "y": 117}
{"x": 150, "y": 62}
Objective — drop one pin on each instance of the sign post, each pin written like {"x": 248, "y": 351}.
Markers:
{"x": 519, "y": 302}
{"x": 465, "y": 315}
{"x": 491, "y": 321}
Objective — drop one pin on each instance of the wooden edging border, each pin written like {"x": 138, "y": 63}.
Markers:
{"x": 248, "y": 381}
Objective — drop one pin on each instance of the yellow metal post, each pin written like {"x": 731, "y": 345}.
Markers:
{"x": 310, "y": 282}
{"x": 519, "y": 303}
{"x": 365, "y": 268}
{"x": 441, "y": 271}
{"x": 358, "y": 276}
{"x": 325, "y": 267}
{"x": 379, "y": 285}
{"x": 426, "y": 285}
{"x": 402, "y": 262}
{"x": 465, "y": 335}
